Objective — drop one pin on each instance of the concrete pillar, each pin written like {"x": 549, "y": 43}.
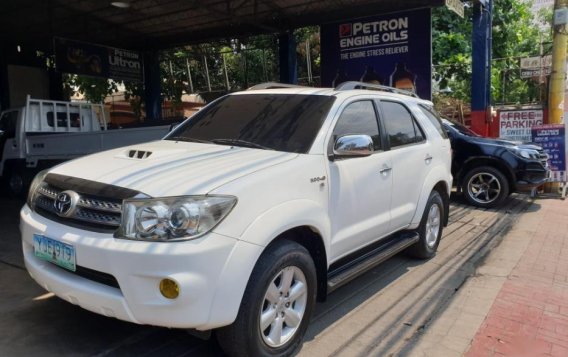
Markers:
{"x": 56, "y": 85}
{"x": 287, "y": 56}
{"x": 152, "y": 86}
{"x": 481, "y": 66}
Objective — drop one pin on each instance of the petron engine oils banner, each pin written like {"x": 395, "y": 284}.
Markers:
{"x": 393, "y": 50}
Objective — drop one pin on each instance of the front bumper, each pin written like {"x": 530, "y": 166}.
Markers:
{"x": 212, "y": 273}
{"x": 531, "y": 177}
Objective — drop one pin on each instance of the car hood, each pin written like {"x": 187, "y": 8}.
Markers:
{"x": 170, "y": 168}
{"x": 502, "y": 142}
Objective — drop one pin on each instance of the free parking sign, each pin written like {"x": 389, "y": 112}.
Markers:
{"x": 516, "y": 125}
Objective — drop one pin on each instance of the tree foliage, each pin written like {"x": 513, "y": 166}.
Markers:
{"x": 515, "y": 35}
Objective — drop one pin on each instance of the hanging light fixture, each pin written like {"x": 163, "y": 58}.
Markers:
{"x": 121, "y": 4}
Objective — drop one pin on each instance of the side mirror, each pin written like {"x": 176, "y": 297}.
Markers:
{"x": 173, "y": 127}
{"x": 353, "y": 146}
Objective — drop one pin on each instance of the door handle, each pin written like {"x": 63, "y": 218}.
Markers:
{"x": 385, "y": 169}
{"x": 428, "y": 158}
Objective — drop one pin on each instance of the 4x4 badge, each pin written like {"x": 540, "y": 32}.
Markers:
{"x": 317, "y": 179}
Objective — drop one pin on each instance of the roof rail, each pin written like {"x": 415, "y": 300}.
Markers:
{"x": 274, "y": 85}
{"x": 362, "y": 85}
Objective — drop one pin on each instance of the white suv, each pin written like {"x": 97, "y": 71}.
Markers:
{"x": 245, "y": 214}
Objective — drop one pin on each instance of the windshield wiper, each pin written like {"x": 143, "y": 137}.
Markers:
{"x": 239, "y": 142}
{"x": 191, "y": 140}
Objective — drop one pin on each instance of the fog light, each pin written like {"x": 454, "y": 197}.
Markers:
{"x": 169, "y": 288}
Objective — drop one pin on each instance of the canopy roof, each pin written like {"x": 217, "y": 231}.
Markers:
{"x": 167, "y": 23}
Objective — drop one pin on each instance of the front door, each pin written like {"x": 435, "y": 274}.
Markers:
{"x": 360, "y": 187}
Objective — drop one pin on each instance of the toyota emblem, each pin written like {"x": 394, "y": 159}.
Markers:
{"x": 65, "y": 203}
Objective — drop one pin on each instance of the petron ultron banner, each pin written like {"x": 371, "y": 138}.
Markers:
{"x": 393, "y": 50}
{"x": 98, "y": 61}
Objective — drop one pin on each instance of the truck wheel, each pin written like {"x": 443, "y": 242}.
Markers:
{"x": 430, "y": 229}
{"x": 15, "y": 183}
{"x": 277, "y": 304}
{"x": 485, "y": 187}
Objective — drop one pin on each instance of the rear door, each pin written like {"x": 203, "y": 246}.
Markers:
{"x": 412, "y": 158}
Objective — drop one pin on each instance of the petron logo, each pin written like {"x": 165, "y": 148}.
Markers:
{"x": 65, "y": 203}
{"x": 345, "y": 30}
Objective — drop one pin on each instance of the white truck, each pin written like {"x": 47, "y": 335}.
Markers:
{"x": 245, "y": 215}
{"x": 45, "y": 132}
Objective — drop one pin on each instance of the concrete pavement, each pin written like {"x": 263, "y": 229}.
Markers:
{"x": 497, "y": 286}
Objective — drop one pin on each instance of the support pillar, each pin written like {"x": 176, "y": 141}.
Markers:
{"x": 56, "y": 85}
{"x": 481, "y": 66}
{"x": 287, "y": 56}
{"x": 4, "y": 85}
{"x": 557, "y": 89}
{"x": 152, "y": 87}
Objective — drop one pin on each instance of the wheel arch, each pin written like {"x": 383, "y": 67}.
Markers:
{"x": 309, "y": 238}
{"x": 443, "y": 190}
{"x": 485, "y": 161}
{"x": 438, "y": 179}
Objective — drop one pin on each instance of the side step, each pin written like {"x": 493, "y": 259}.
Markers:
{"x": 344, "y": 273}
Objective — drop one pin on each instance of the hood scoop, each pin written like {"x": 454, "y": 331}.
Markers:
{"x": 139, "y": 154}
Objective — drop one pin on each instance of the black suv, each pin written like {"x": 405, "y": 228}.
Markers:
{"x": 487, "y": 170}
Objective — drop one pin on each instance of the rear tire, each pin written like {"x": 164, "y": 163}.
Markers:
{"x": 276, "y": 306}
{"x": 430, "y": 229}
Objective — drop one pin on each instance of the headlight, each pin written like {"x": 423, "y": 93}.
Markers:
{"x": 172, "y": 218}
{"x": 526, "y": 153}
{"x": 36, "y": 183}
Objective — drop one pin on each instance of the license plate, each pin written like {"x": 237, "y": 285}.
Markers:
{"x": 55, "y": 252}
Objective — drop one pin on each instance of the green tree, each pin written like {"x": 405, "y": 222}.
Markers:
{"x": 515, "y": 35}
{"x": 451, "y": 51}
{"x": 94, "y": 89}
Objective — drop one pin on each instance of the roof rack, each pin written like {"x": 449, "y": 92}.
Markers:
{"x": 273, "y": 85}
{"x": 362, "y": 85}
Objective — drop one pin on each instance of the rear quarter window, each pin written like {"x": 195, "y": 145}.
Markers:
{"x": 401, "y": 127}
{"x": 435, "y": 119}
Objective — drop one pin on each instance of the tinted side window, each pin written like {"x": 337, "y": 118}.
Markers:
{"x": 434, "y": 119}
{"x": 401, "y": 127}
{"x": 358, "y": 118}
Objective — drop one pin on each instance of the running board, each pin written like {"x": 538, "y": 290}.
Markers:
{"x": 367, "y": 261}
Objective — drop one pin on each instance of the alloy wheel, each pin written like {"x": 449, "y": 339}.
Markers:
{"x": 283, "y": 306}
{"x": 433, "y": 225}
{"x": 484, "y": 187}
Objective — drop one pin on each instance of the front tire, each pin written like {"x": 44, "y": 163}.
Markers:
{"x": 430, "y": 229}
{"x": 485, "y": 187}
{"x": 277, "y": 304}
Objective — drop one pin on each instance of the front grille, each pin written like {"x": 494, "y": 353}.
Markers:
{"x": 104, "y": 214}
{"x": 93, "y": 211}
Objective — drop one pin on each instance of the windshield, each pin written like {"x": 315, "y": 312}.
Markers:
{"x": 282, "y": 122}
{"x": 459, "y": 128}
